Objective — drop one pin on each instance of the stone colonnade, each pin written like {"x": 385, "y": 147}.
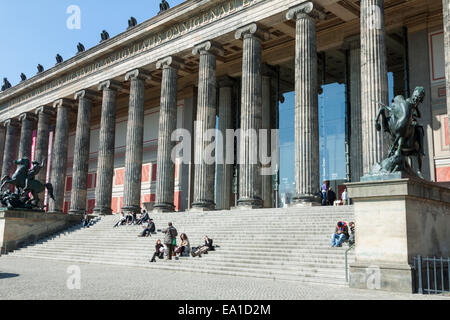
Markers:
{"x": 368, "y": 78}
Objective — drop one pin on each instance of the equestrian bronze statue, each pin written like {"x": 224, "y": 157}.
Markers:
{"x": 400, "y": 121}
{"x": 25, "y": 185}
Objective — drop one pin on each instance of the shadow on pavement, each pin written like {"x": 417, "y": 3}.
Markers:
{"x": 8, "y": 275}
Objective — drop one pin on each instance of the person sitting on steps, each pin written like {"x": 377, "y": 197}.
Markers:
{"x": 122, "y": 220}
{"x": 149, "y": 229}
{"x": 340, "y": 234}
{"x": 208, "y": 246}
{"x": 185, "y": 248}
{"x": 159, "y": 251}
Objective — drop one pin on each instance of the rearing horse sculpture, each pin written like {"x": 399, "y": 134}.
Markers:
{"x": 25, "y": 183}
{"x": 406, "y": 134}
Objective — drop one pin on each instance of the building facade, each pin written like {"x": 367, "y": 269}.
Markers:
{"x": 104, "y": 121}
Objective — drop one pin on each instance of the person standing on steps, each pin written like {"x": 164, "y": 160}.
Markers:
{"x": 170, "y": 240}
{"x": 324, "y": 193}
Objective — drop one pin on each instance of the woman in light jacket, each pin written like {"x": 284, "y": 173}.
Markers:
{"x": 185, "y": 248}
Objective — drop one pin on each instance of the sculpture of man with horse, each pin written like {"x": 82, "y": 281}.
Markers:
{"x": 25, "y": 183}
{"x": 400, "y": 122}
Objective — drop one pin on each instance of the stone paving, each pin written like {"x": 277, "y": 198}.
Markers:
{"x": 23, "y": 278}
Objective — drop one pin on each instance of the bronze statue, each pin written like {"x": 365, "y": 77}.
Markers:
{"x": 40, "y": 68}
{"x": 400, "y": 121}
{"x": 104, "y": 35}
{"x": 59, "y": 59}
{"x": 23, "y": 77}
{"x": 25, "y": 183}
{"x": 6, "y": 84}
{"x": 80, "y": 48}
{"x": 163, "y": 6}
{"x": 132, "y": 22}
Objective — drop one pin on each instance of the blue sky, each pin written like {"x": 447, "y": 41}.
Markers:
{"x": 33, "y": 32}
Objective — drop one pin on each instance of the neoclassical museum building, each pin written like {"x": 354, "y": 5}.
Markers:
{"x": 102, "y": 121}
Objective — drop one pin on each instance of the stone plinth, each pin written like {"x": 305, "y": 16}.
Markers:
{"x": 397, "y": 220}
{"x": 19, "y": 227}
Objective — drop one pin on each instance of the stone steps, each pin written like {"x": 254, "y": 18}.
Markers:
{"x": 289, "y": 244}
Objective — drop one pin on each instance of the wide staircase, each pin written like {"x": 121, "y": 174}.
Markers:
{"x": 288, "y": 244}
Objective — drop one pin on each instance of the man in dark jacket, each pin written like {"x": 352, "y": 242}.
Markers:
{"x": 340, "y": 234}
{"x": 149, "y": 229}
{"x": 170, "y": 240}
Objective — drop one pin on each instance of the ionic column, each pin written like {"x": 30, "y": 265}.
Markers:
{"x": 105, "y": 164}
{"x": 251, "y": 122}
{"x": 356, "y": 157}
{"x": 45, "y": 115}
{"x": 306, "y": 105}
{"x": 28, "y": 121}
{"x": 59, "y": 153}
{"x": 446, "y": 13}
{"x": 374, "y": 81}
{"x": 224, "y": 173}
{"x": 267, "y": 100}
{"x": 80, "y": 170}
{"x": 165, "y": 178}
{"x": 206, "y": 120}
{"x": 135, "y": 141}
{"x": 11, "y": 146}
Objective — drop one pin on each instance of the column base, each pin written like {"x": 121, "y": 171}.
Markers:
{"x": 103, "y": 211}
{"x": 131, "y": 209}
{"x": 163, "y": 207}
{"x": 307, "y": 200}
{"x": 79, "y": 212}
{"x": 203, "y": 206}
{"x": 250, "y": 203}
{"x": 382, "y": 276}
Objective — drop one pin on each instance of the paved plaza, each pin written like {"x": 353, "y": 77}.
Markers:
{"x": 22, "y": 278}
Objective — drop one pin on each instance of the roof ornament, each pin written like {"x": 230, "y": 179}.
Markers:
{"x": 59, "y": 59}
{"x": 23, "y": 77}
{"x": 163, "y": 6}
{"x": 80, "y": 48}
{"x": 104, "y": 35}
{"x": 132, "y": 22}
{"x": 40, "y": 68}
{"x": 6, "y": 84}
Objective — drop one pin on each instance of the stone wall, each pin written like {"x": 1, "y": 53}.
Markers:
{"x": 18, "y": 228}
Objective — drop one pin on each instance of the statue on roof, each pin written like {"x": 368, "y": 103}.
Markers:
{"x": 23, "y": 77}
{"x": 80, "y": 47}
{"x": 163, "y": 6}
{"x": 104, "y": 35}
{"x": 40, "y": 68}
{"x": 6, "y": 84}
{"x": 132, "y": 22}
{"x": 59, "y": 59}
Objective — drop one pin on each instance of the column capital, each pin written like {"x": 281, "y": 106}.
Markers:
{"x": 11, "y": 123}
{"x": 226, "y": 82}
{"x": 170, "y": 62}
{"x": 252, "y": 29}
{"x": 210, "y": 47}
{"x": 68, "y": 103}
{"x": 28, "y": 116}
{"x": 110, "y": 85}
{"x": 86, "y": 94}
{"x": 46, "y": 110}
{"x": 139, "y": 74}
{"x": 304, "y": 10}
